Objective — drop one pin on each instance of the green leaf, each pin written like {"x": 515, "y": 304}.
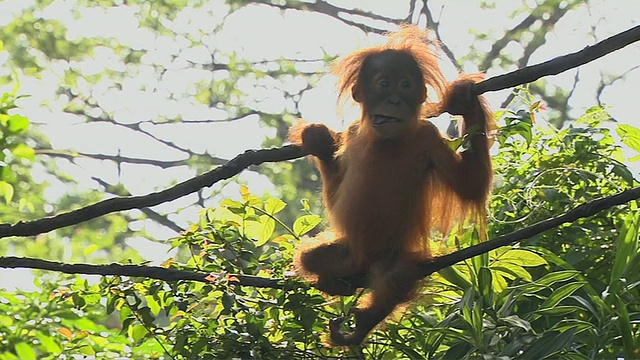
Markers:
{"x": 24, "y": 351}
{"x": 259, "y": 228}
{"x": 559, "y": 310}
{"x": 17, "y": 123}
{"x": 233, "y": 206}
{"x": 630, "y": 136}
{"x": 623, "y": 322}
{"x": 273, "y": 206}
{"x": 307, "y": 319}
{"x": 49, "y": 344}
{"x": 466, "y": 313}
{"x": 125, "y": 312}
{"x": 227, "y": 301}
{"x": 6, "y": 190}
{"x": 517, "y": 321}
{"x": 111, "y": 301}
{"x": 519, "y": 124}
{"x": 485, "y": 284}
{"x": 198, "y": 346}
{"x": 248, "y": 198}
{"x": 626, "y": 247}
{"x": 522, "y": 257}
{"x": 573, "y": 324}
{"x": 511, "y": 271}
{"x": 305, "y": 223}
{"x": 268, "y": 226}
{"x": 90, "y": 249}
{"x": 560, "y": 294}
{"x": 138, "y": 332}
{"x": 8, "y": 356}
{"x": 23, "y": 151}
{"x": 624, "y": 172}
{"x": 499, "y": 282}
{"x": 458, "y": 351}
{"x": 549, "y": 344}
{"x": 305, "y": 204}
{"x": 557, "y": 276}
{"x": 479, "y": 261}
{"x": 454, "y": 144}
{"x": 477, "y": 321}
{"x": 153, "y": 305}
{"x": 87, "y": 350}
{"x": 456, "y": 277}
{"x": 407, "y": 350}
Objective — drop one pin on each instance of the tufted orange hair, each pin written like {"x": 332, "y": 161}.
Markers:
{"x": 410, "y": 40}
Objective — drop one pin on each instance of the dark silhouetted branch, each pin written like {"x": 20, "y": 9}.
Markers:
{"x": 153, "y": 272}
{"x": 150, "y": 272}
{"x": 560, "y": 64}
{"x": 233, "y": 167}
{"x": 581, "y": 211}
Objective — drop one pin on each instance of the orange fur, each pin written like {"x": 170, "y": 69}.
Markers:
{"x": 390, "y": 179}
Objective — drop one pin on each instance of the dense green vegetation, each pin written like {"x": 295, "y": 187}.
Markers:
{"x": 570, "y": 293}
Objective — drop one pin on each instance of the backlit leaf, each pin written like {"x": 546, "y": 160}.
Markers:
{"x": 273, "y": 206}
{"x": 305, "y": 223}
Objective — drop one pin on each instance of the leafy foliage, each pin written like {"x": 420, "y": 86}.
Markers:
{"x": 15, "y": 153}
{"x": 571, "y": 293}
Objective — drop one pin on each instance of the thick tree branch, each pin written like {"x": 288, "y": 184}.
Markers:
{"x": 150, "y": 272}
{"x": 233, "y": 167}
{"x": 153, "y": 215}
{"x": 584, "y": 210}
{"x": 560, "y": 64}
{"x": 256, "y": 157}
{"x": 581, "y": 211}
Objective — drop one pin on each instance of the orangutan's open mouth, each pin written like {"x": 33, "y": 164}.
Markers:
{"x": 381, "y": 119}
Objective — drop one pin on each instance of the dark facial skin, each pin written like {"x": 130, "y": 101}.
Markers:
{"x": 390, "y": 90}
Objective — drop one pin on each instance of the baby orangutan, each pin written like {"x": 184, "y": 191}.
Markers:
{"x": 391, "y": 177}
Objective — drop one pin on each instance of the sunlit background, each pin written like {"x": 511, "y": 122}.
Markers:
{"x": 156, "y": 109}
